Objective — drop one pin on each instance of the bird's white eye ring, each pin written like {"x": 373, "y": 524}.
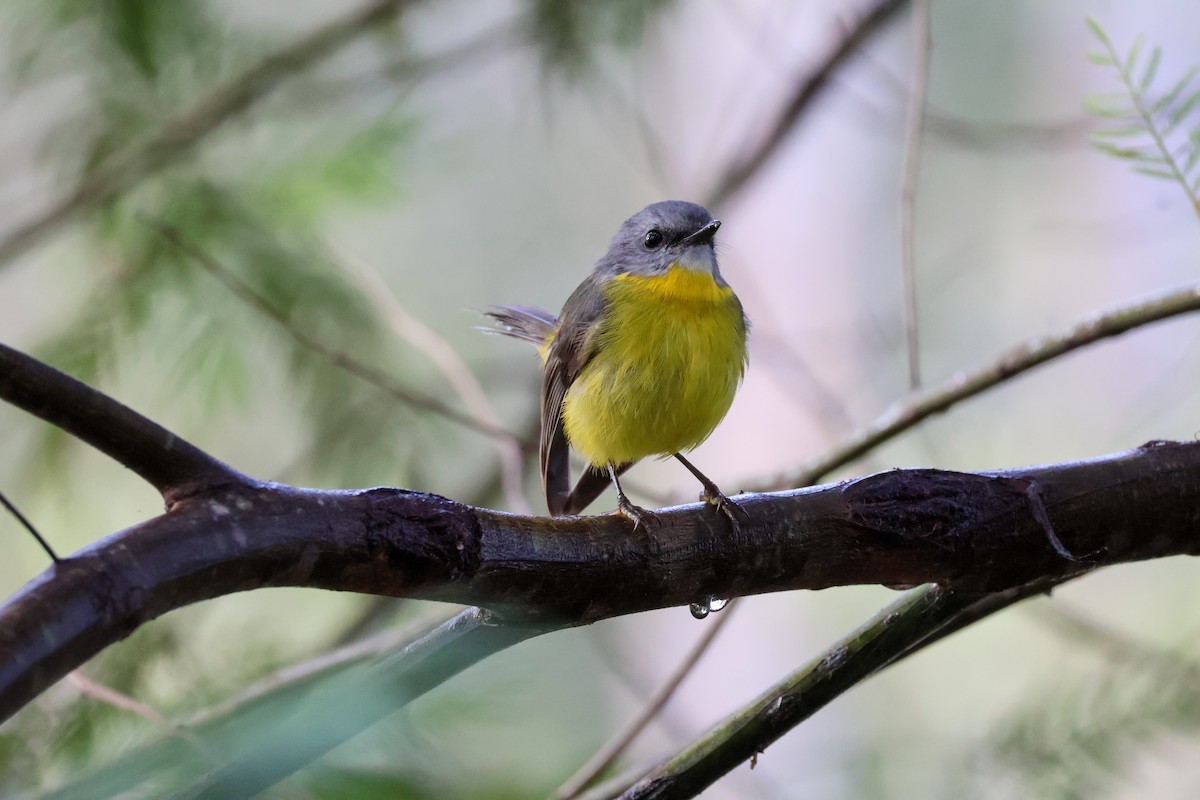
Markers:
{"x": 654, "y": 239}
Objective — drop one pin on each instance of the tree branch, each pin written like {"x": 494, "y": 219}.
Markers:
{"x": 976, "y": 533}
{"x": 918, "y": 406}
{"x": 339, "y": 358}
{"x": 908, "y": 183}
{"x": 980, "y": 532}
{"x": 915, "y": 621}
{"x": 138, "y": 161}
{"x": 741, "y": 171}
{"x": 168, "y": 463}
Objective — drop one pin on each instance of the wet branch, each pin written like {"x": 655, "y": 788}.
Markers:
{"x": 165, "y": 461}
{"x": 910, "y": 624}
{"x": 918, "y": 406}
{"x": 979, "y": 532}
{"x": 975, "y": 534}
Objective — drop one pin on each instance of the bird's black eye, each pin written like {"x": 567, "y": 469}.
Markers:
{"x": 654, "y": 239}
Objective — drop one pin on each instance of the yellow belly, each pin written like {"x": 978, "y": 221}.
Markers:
{"x": 668, "y": 362}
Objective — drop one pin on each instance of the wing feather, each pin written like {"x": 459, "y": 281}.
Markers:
{"x": 571, "y": 349}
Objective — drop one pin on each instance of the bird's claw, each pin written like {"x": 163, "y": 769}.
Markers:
{"x": 640, "y": 516}
{"x": 723, "y": 504}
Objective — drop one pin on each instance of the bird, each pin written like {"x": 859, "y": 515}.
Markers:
{"x": 643, "y": 360}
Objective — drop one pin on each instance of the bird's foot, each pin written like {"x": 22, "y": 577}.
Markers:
{"x": 640, "y": 516}
{"x": 715, "y": 498}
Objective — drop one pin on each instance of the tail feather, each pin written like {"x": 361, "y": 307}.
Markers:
{"x": 526, "y": 323}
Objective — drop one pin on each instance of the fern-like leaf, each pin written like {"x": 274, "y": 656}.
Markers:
{"x": 1167, "y": 125}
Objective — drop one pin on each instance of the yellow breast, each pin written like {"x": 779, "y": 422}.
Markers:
{"x": 668, "y": 361}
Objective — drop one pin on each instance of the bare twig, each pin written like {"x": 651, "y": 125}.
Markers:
{"x": 343, "y": 707}
{"x": 21, "y": 518}
{"x": 452, "y": 367}
{"x": 920, "y": 405}
{"x": 232, "y": 723}
{"x": 1012, "y": 363}
{"x": 898, "y": 527}
{"x": 913, "y": 622}
{"x": 129, "y": 166}
{"x": 110, "y": 696}
{"x": 295, "y": 677}
{"x": 171, "y": 465}
{"x": 608, "y": 755}
{"x": 741, "y": 171}
{"x": 908, "y": 186}
{"x": 345, "y": 361}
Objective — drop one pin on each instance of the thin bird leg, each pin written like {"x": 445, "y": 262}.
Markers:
{"x": 712, "y": 495}
{"x": 639, "y": 515}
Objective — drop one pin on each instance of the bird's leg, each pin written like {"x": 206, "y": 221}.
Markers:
{"x": 639, "y": 515}
{"x": 711, "y": 494}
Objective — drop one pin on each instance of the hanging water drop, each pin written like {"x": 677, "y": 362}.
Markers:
{"x": 715, "y": 604}
{"x": 699, "y": 610}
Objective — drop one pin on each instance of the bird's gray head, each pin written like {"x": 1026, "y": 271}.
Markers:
{"x": 662, "y": 235}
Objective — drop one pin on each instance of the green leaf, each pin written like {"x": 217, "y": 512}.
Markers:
{"x": 1131, "y": 58}
{"x": 1113, "y": 106}
{"x": 1193, "y": 151}
{"x": 1180, "y": 112}
{"x": 1120, "y": 152}
{"x": 1103, "y": 59}
{"x": 1098, "y": 31}
{"x": 1119, "y": 132}
{"x": 1157, "y": 172}
{"x": 1172, "y": 95}
{"x": 1107, "y": 112}
{"x": 1151, "y": 68}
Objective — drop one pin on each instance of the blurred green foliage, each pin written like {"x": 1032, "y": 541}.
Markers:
{"x": 1078, "y": 738}
{"x": 569, "y": 34}
{"x": 255, "y": 196}
{"x": 1158, "y": 131}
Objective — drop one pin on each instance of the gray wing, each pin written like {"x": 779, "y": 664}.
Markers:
{"x": 573, "y": 346}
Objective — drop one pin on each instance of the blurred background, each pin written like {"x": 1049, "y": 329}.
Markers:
{"x": 466, "y": 153}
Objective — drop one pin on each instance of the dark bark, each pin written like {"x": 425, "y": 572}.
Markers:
{"x": 978, "y": 533}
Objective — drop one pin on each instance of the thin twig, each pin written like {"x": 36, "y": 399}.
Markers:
{"x": 345, "y": 361}
{"x": 908, "y": 186}
{"x": 453, "y": 368}
{"x": 21, "y": 518}
{"x": 130, "y": 166}
{"x": 352, "y": 701}
{"x": 915, "y": 621}
{"x": 740, "y": 172}
{"x": 612, "y": 750}
{"x": 111, "y": 697}
{"x": 295, "y": 677}
{"x": 923, "y": 404}
{"x": 1010, "y": 364}
{"x": 166, "y": 461}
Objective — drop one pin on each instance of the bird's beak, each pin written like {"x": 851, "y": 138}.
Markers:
{"x": 702, "y": 236}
